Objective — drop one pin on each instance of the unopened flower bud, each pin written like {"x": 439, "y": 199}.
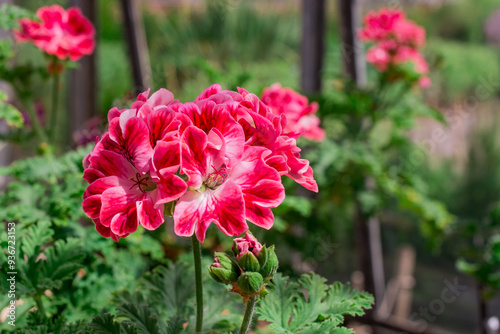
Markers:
{"x": 269, "y": 262}
{"x": 223, "y": 270}
{"x": 248, "y": 262}
{"x": 246, "y": 244}
{"x": 250, "y": 282}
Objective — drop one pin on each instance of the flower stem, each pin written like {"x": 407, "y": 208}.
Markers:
{"x": 54, "y": 114}
{"x": 199, "y": 283}
{"x": 39, "y": 305}
{"x": 42, "y": 136}
{"x": 247, "y": 319}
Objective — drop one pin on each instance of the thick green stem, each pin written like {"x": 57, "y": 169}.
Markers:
{"x": 54, "y": 113}
{"x": 247, "y": 319}
{"x": 39, "y": 304}
{"x": 199, "y": 283}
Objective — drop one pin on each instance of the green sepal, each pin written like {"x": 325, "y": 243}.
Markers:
{"x": 250, "y": 282}
{"x": 227, "y": 273}
{"x": 248, "y": 262}
{"x": 263, "y": 256}
{"x": 221, "y": 275}
{"x": 271, "y": 266}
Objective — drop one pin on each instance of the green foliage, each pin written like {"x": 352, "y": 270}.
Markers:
{"x": 10, "y": 15}
{"x": 310, "y": 305}
{"x": 452, "y": 81}
{"x": 9, "y": 113}
{"x": 168, "y": 304}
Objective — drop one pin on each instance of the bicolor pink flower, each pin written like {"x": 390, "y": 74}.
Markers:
{"x": 65, "y": 34}
{"x": 218, "y": 160}
{"x": 300, "y": 114}
{"x": 224, "y": 191}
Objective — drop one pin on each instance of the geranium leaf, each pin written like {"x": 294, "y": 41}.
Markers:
{"x": 311, "y": 306}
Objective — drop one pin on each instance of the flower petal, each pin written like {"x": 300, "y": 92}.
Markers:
{"x": 149, "y": 217}
{"x": 112, "y": 164}
{"x": 117, "y": 200}
{"x": 189, "y": 212}
{"x": 170, "y": 188}
{"x": 92, "y": 206}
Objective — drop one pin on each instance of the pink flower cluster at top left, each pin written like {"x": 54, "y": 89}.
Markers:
{"x": 218, "y": 159}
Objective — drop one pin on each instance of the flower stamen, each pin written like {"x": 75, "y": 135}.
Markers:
{"x": 217, "y": 177}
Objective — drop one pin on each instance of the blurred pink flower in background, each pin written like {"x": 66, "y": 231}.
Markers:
{"x": 379, "y": 25}
{"x": 300, "y": 114}
{"x": 65, "y": 34}
{"x": 397, "y": 42}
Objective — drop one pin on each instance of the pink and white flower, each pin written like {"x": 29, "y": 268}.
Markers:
{"x": 215, "y": 160}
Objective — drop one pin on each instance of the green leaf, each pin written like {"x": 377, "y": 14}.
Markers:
{"x": 36, "y": 236}
{"x": 175, "y": 325}
{"x": 106, "y": 324}
{"x": 170, "y": 287}
{"x": 8, "y": 112}
{"x": 142, "y": 316}
{"x": 63, "y": 262}
{"x": 307, "y": 310}
{"x": 311, "y": 306}
{"x": 380, "y": 134}
{"x": 278, "y": 306}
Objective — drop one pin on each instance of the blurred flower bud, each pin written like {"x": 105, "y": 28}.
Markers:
{"x": 246, "y": 244}
{"x": 269, "y": 262}
{"x": 250, "y": 282}
{"x": 223, "y": 270}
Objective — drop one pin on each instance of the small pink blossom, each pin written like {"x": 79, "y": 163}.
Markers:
{"x": 65, "y": 34}
{"x": 300, "y": 114}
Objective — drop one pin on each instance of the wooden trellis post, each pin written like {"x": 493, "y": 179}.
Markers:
{"x": 83, "y": 80}
{"x": 312, "y": 47}
{"x": 352, "y": 48}
{"x": 367, "y": 228}
{"x": 137, "y": 45}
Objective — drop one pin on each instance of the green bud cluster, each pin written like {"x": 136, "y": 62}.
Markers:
{"x": 247, "y": 272}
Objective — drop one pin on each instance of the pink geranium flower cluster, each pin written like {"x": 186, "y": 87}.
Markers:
{"x": 397, "y": 42}
{"x": 300, "y": 114}
{"x": 215, "y": 160}
{"x": 65, "y": 34}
